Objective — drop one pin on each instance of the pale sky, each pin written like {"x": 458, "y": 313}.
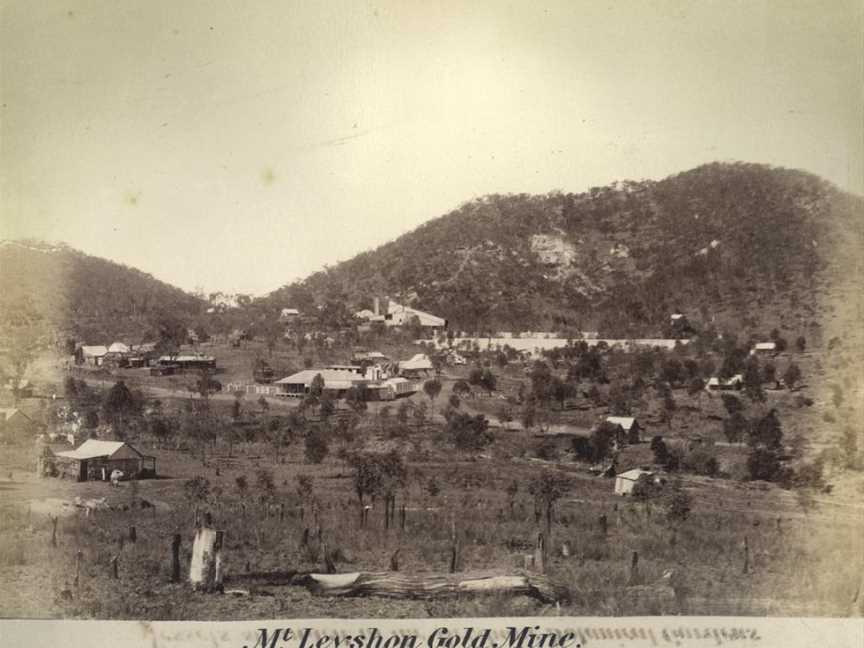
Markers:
{"x": 239, "y": 146}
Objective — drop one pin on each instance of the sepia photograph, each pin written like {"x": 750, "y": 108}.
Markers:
{"x": 406, "y": 310}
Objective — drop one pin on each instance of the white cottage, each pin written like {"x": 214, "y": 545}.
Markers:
{"x": 626, "y": 481}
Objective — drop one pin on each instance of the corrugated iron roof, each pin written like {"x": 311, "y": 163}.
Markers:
{"x": 93, "y": 448}
{"x": 306, "y": 377}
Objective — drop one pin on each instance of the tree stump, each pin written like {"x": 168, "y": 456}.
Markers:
{"x": 205, "y": 569}
{"x": 565, "y": 549}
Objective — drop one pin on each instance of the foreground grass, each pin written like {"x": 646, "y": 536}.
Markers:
{"x": 800, "y": 561}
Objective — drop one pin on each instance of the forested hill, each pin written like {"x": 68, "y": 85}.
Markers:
{"x": 87, "y": 298}
{"x": 737, "y": 242}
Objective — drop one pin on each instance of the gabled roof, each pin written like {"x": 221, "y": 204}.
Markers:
{"x": 426, "y": 319}
{"x": 95, "y": 351}
{"x": 93, "y": 448}
{"x": 634, "y": 474}
{"x": 306, "y": 377}
{"x": 7, "y": 413}
{"x": 419, "y": 361}
{"x": 118, "y": 347}
{"x": 370, "y": 355}
{"x": 625, "y": 422}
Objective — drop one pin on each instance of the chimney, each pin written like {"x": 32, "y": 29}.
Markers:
{"x": 376, "y": 306}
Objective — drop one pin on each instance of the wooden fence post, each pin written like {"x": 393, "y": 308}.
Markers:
{"x": 634, "y": 569}
{"x": 133, "y": 534}
{"x": 78, "y": 556}
{"x": 175, "y": 558}
{"x": 402, "y": 516}
{"x": 746, "y": 555}
{"x": 217, "y": 547}
{"x": 455, "y": 549}
{"x": 114, "y": 570}
{"x": 54, "y": 531}
{"x": 540, "y": 554}
{"x": 604, "y": 525}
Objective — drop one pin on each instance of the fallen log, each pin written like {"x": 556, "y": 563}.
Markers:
{"x": 398, "y": 585}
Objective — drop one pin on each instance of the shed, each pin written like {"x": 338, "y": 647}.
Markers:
{"x": 764, "y": 347}
{"x": 625, "y": 481}
{"x": 93, "y": 354}
{"x": 725, "y": 384}
{"x": 96, "y": 459}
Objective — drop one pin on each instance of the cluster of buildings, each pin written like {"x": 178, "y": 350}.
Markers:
{"x": 392, "y": 313}
{"x": 122, "y": 355}
{"x": 117, "y": 354}
{"x": 376, "y": 375}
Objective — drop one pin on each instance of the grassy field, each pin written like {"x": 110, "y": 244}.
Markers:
{"x": 804, "y": 550}
{"x": 790, "y": 570}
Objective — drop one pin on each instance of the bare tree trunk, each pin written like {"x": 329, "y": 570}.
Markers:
{"x": 401, "y": 586}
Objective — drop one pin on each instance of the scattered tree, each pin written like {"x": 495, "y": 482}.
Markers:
{"x": 792, "y": 375}
{"x": 469, "y": 432}
{"x": 432, "y": 388}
